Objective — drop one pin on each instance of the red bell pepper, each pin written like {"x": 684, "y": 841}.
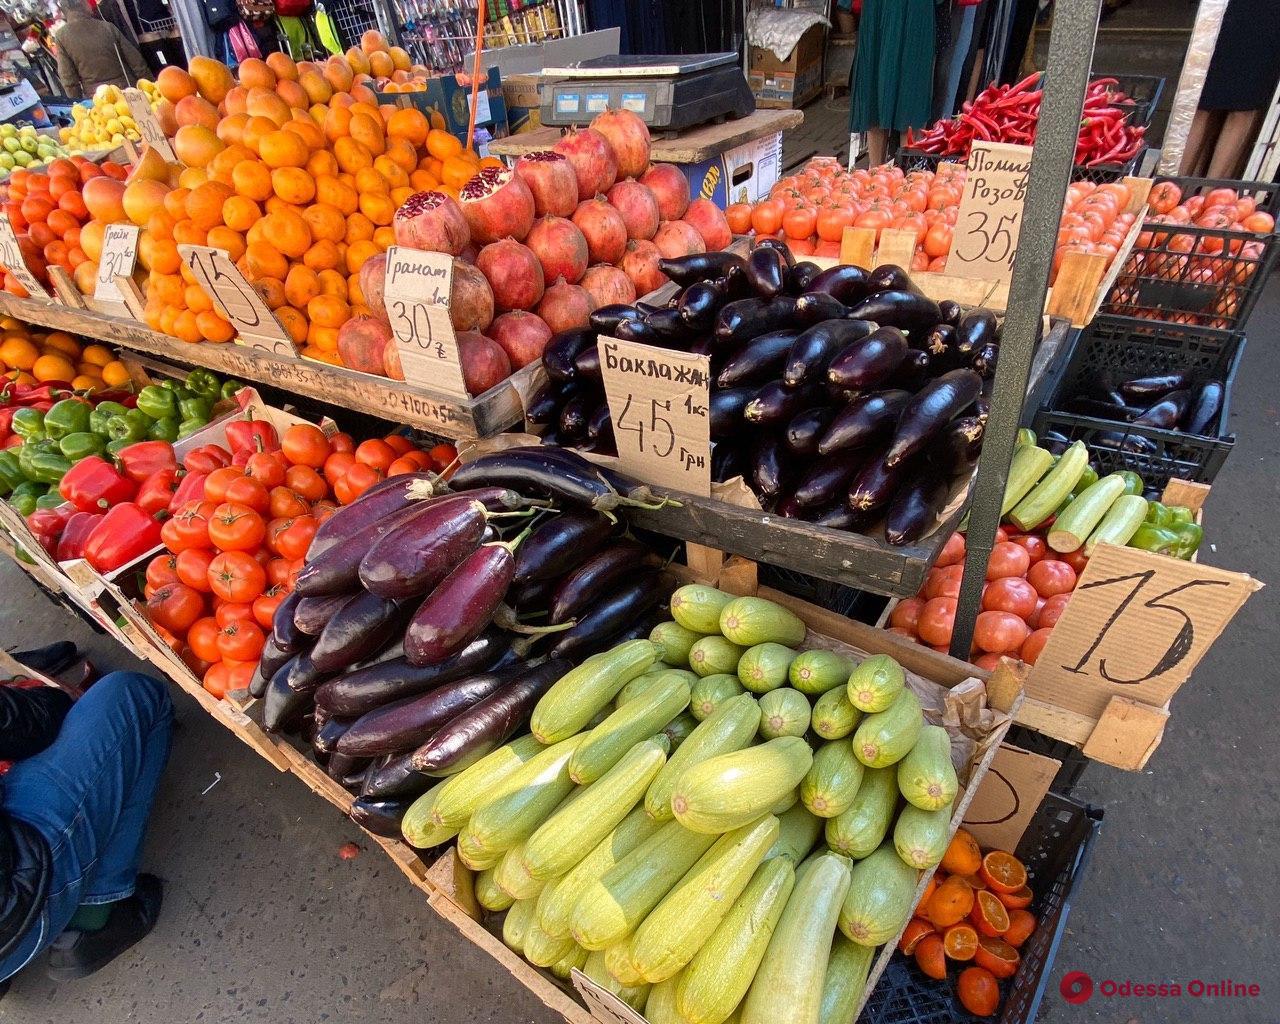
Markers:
{"x": 139, "y": 461}
{"x": 47, "y": 524}
{"x": 126, "y": 398}
{"x": 190, "y": 488}
{"x": 12, "y": 441}
{"x": 94, "y": 485}
{"x": 6, "y": 417}
{"x": 249, "y": 435}
{"x": 157, "y": 491}
{"x": 124, "y": 534}
{"x": 75, "y": 533}
{"x": 206, "y": 458}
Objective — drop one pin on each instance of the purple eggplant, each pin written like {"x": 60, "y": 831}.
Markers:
{"x": 801, "y": 275}
{"x": 328, "y": 733}
{"x": 890, "y": 277}
{"x": 776, "y": 403}
{"x": 768, "y": 466}
{"x": 541, "y": 471}
{"x": 282, "y": 706}
{"x": 606, "y": 318}
{"x": 806, "y": 427}
{"x": 641, "y": 332}
{"x": 959, "y": 445}
{"x": 686, "y": 270}
{"x": 983, "y": 361}
{"x": 940, "y": 344}
{"x": 563, "y": 349}
{"x": 761, "y": 359}
{"x": 671, "y": 326}
{"x": 531, "y": 597}
{"x": 581, "y": 588}
{"x": 865, "y": 420}
{"x": 270, "y": 662}
{"x": 303, "y": 676}
{"x": 1204, "y": 410}
{"x": 311, "y": 613}
{"x": 1156, "y": 385}
{"x": 613, "y": 613}
{"x": 358, "y": 629}
{"x": 381, "y": 817}
{"x": 728, "y": 460}
{"x": 913, "y": 372}
{"x": 394, "y": 777}
{"x": 289, "y": 639}
{"x": 975, "y": 329}
{"x": 575, "y": 415}
{"x": 814, "y": 307}
{"x": 740, "y": 321}
{"x": 460, "y": 606}
{"x": 875, "y": 486}
{"x": 780, "y": 247}
{"x": 930, "y": 410}
{"x": 415, "y": 557}
{"x": 813, "y": 351}
{"x": 727, "y": 405}
{"x": 825, "y": 479}
{"x": 1102, "y": 410}
{"x": 915, "y": 507}
{"x": 896, "y": 307}
{"x": 337, "y": 570}
{"x": 600, "y": 431}
{"x": 847, "y": 283}
{"x": 382, "y": 499}
{"x": 840, "y": 517}
{"x": 699, "y": 304}
{"x": 766, "y": 271}
{"x": 951, "y": 311}
{"x": 868, "y": 362}
{"x": 559, "y": 544}
{"x": 1167, "y": 413}
{"x": 586, "y": 364}
{"x": 543, "y": 407}
{"x": 488, "y": 724}
{"x": 349, "y": 771}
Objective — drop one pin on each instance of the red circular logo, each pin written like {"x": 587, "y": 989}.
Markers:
{"x": 1076, "y": 987}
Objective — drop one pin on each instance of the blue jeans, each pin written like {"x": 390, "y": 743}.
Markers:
{"x": 90, "y": 795}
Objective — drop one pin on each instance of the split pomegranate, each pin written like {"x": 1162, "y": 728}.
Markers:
{"x": 372, "y": 277}
{"x": 670, "y": 187}
{"x": 593, "y": 160}
{"x": 607, "y": 285}
{"x": 565, "y": 306}
{"x": 513, "y": 272}
{"x": 709, "y": 221}
{"x": 362, "y": 344}
{"x": 640, "y": 264}
{"x": 638, "y": 207}
{"x": 627, "y": 133}
{"x": 561, "y": 248}
{"x": 432, "y": 221}
{"x": 604, "y": 228}
{"x": 470, "y": 298}
{"x": 677, "y": 238}
{"x": 497, "y": 204}
{"x": 484, "y": 363}
{"x": 522, "y": 336}
{"x": 552, "y": 180}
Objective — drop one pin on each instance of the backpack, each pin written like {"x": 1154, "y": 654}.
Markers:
{"x": 243, "y": 45}
{"x": 220, "y": 14}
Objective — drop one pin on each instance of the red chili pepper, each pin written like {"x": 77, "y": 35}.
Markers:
{"x": 50, "y": 391}
{"x": 75, "y": 533}
{"x": 139, "y": 461}
{"x": 190, "y": 488}
{"x": 93, "y": 485}
{"x": 125, "y": 398}
{"x": 157, "y": 491}
{"x": 124, "y": 534}
{"x": 206, "y": 458}
{"x": 252, "y": 436}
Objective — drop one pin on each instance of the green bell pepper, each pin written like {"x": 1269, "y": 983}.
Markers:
{"x": 164, "y": 429}
{"x": 114, "y": 447}
{"x": 132, "y": 425}
{"x": 195, "y": 409}
{"x": 42, "y": 462}
{"x": 1087, "y": 479}
{"x": 1158, "y": 514}
{"x": 188, "y": 427}
{"x": 81, "y": 445}
{"x": 1189, "y": 537}
{"x": 229, "y": 388}
{"x": 1179, "y": 514}
{"x": 203, "y": 384}
{"x": 24, "y": 496}
{"x": 50, "y": 499}
{"x": 70, "y": 416}
{"x": 102, "y": 413}
{"x": 28, "y": 424}
{"x": 157, "y": 402}
{"x": 1159, "y": 539}
{"x": 10, "y": 475}
{"x": 1132, "y": 482}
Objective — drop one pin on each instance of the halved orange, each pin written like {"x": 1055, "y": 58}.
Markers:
{"x": 997, "y": 956}
{"x": 988, "y": 914}
{"x": 1017, "y": 900}
{"x": 917, "y": 928}
{"x": 930, "y": 957}
{"x": 1022, "y": 925}
{"x": 960, "y": 942}
{"x": 1003, "y": 872}
{"x": 963, "y": 857}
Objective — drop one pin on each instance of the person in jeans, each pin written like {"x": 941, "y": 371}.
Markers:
{"x": 73, "y": 813}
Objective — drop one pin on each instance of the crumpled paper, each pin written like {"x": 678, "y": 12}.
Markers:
{"x": 779, "y": 30}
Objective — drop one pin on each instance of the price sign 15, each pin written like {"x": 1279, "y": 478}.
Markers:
{"x": 236, "y": 300}
{"x": 990, "y": 216}
{"x": 12, "y": 260}
{"x": 119, "y": 253}
{"x": 416, "y": 294}
{"x": 659, "y": 401}
{"x": 148, "y": 127}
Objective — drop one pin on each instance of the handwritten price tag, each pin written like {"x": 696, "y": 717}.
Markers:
{"x": 990, "y": 216}
{"x": 148, "y": 127}
{"x": 660, "y": 402}
{"x": 12, "y": 260}
{"x": 236, "y": 300}
{"x": 416, "y": 294}
{"x": 119, "y": 253}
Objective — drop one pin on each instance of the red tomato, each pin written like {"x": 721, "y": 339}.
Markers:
{"x": 202, "y": 638}
{"x": 189, "y": 528}
{"x": 1010, "y": 594}
{"x": 944, "y": 582}
{"x": 241, "y": 641}
{"x": 1164, "y": 197}
{"x": 175, "y": 607}
{"x": 278, "y": 570}
{"x": 304, "y": 444}
{"x": 987, "y": 662}
{"x": 1052, "y": 611}
{"x": 1034, "y": 644}
{"x": 236, "y": 527}
{"x": 265, "y": 467}
{"x": 1035, "y": 545}
{"x": 306, "y": 482}
{"x": 1007, "y": 559}
{"x": 229, "y": 612}
{"x": 286, "y": 503}
{"x": 906, "y": 614}
{"x": 265, "y": 605}
{"x": 999, "y": 632}
{"x": 217, "y": 680}
{"x": 952, "y": 551}
{"x": 236, "y": 576}
{"x": 217, "y": 482}
{"x": 248, "y": 491}
{"x": 1051, "y": 576}
{"x": 1076, "y": 559}
{"x": 799, "y": 224}
{"x": 162, "y": 570}
{"x": 290, "y": 538}
{"x": 937, "y": 620}
{"x": 193, "y": 570}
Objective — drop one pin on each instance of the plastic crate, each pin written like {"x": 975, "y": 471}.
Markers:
{"x": 1055, "y": 849}
{"x": 1266, "y": 193}
{"x": 1124, "y": 348}
{"x": 850, "y": 602}
{"x": 1144, "y": 92}
{"x": 1073, "y": 760}
{"x": 915, "y": 160}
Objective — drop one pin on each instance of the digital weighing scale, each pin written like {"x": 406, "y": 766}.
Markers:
{"x": 671, "y": 93}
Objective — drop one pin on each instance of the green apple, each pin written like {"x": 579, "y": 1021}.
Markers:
{"x": 7, "y": 161}
{"x": 22, "y": 158}
{"x": 11, "y": 144}
{"x": 7, "y": 130}
{"x": 29, "y": 143}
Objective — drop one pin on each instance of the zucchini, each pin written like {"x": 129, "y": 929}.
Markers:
{"x": 474, "y": 856}
{"x": 577, "y": 696}
{"x": 610, "y": 907}
{"x": 1043, "y": 499}
{"x": 753, "y": 620}
{"x": 513, "y": 878}
{"x": 571, "y": 833}
{"x": 574, "y": 960}
{"x": 618, "y": 963}
{"x": 633, "y": 995}
{"x": 926, "y": 776}
{"x": 1024, "y": 436}
{"x": 484, "y": 780}
{"x": 885, "y": 737}
{"x": 713, "y": 655}
{"x": 517, "y": 921}
{"x": 788, "y": 986}
{"x": 846, "y": 977}
{"x": 921, "y": 837}
{"x": 834, "y": 716}
{"x": 555, "y": 904}
{"x": 417, "y": 827}
{"x": 679, "y": 729}
{"x": 731, "y": 726}
{"x": 876, "y": 683}
{"x": 784, "y": 712}
{"x": 660, "y": 1007}
{"x": 1126, "y": 514}
{"x": 831, "y": 784}
{"x": 764, "y": 667}
{"x": 679, "y": 926}
{"x": 535, "y": 791}
{"x": 816, "y": 672}
{"x": 673, "y": 642}
{"x": 1072, "y": 528}
{"x": 861, "y": 829}
{"x": 710, "y": 692}
{"x": 797, "y": 832}
{"x": 880, "y": 897}
{"x": 1028, "y": 466}
{"x": 697, "y": 607}
{"x": 785, "y": 803}
{"x": 606, "y": 744}
{"x": 642, "y": 684}
{"x": 730, "y": 790}
{"x": 488, "y": 893}
{"x": 541, "y": 949}
{"x": 717, "y": 978}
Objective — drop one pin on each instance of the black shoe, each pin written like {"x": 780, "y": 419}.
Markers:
{"x": 76, "y": 954}
{"x": 50, "y": 659}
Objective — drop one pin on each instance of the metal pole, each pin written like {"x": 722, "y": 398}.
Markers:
{"x": 1071, "y": 40}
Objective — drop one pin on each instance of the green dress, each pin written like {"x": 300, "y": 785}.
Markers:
{"x": 891, "y": 81}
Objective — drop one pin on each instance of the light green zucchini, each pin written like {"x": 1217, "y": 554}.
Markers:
{"x": 731, "y": 727}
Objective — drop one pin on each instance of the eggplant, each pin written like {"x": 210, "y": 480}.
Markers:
{"x": 347, "y": 770}
{"x": 610, "y": 615}
{"x": 865, "y": 420}
{"x": 959, "y": 446}
{"x": 940, "y": 344}
{"x": 789, "y": 508}
{"x": 983, "y": 361}
{"x": 780, "y": 247}
{"x": 930, "y": 410}
{"x": 761, "y": 359}
{"x": 1054, "y": 441}
{"x": 645, "y": 308}
{"x": 825, "y": 479}
{"x": 586, "y": 364}
{"x": 768, "y": 466}
{"x": 582, "y": 587}
{"x": 813, "y": 351}
{"x": 874, "y": 487}
{"x": 1203, "y": 411}
{"x": 543, "y": 407}
{"x": 311, "y": 613}
{"x": 407, "y": 723}
{"x": 282, "y": 706}
{"x": 1100, "y": 387}
{"x": 640, "y": 331}
{"x": 600, "y": 426}
{"x": 303, "y": 676}
{"x": 488, "y": 724}
{"x": 727, "y": 405}
{"x": 563, "y": 348}
{"x": 531, "y": 597}
{"x": 271, "y": 661}
{"x": 559, "y": 544}
{"x": 913, "y": 372}
{"x": 727, "y": 461}
{"x": 289, "y": 639}
{"x": 329, "y": 732}
{"x": 551, "y": 439}
{"x": 776, "y": 403}
{"x": 806, "y": 427}
{"x": 982, "y": 405}
{"x": 951, "y": 311}
{"x": 700, "y": 302}
{"x": 915, "y": 507}
{"x": 360, "y": 628}
{"x": 363, "y": 689}
{"x": 394, "y": 776}
{"x": 671, "y": 326}
{"x": 1166, "y": 413}
{"x": 1157, "y": 385}
{"x": 975, "y": 329}
{"x": 766, "y": 271}
{"x": 686, "y": 270}
{"x": 338, "y": 569}
{"x": 460, "y": 606}
{"x": 273, "y": 656}
{"x": 739, "y": 322}
{"x": 815, "y": 307}
{"x": 1103, "y": 410}
{"x": 801, "y": 275}
{"x": 413, "y": 558}
{"x": 574, "y": 417}
{"x": 847, "y": 283}
{"x": 869, "y": 362}
{"x": 539, "y": 471}
{"x": 606, "y": 318}
{"x": 381, "y": 817}
{"x": 891, "y": 277}
{"x": 1122, "y": 441}
{"x": 896, "y": 307}
{"x": 383, "y": 499}
{"x": 841, "y": 517}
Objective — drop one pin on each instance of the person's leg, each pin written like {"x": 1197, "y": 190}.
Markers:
{"x": 1239, "y": 129}
{"x": 1194, "y": 147}
{"x": 877, "y": 145}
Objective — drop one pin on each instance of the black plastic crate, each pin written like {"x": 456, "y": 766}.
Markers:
{"x": 1055, "y": 850}
{"x": 1144, "y": 92}
{"x": 915, "y": 160}
{"x": 1122, "y": 348}
{"x": 850, "y": 602}
{"x": 1266, "y": 193}
{"x": 1073, "y": 760}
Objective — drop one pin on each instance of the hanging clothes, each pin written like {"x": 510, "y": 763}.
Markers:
{"x": 891, "y": 80}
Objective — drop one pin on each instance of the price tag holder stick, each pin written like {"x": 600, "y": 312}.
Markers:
{"x": 236, "y": 300}
{"x": 989, "y": 220}
{"x": 416, "y": 294}
{"x": 119, "y": 256}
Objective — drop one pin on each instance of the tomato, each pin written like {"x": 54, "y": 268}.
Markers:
{"x": 799, "y": 223}
{"x": 285, "y": 503}
{"x": 306, "y": 482}
{"x": 1051, "y": 576}
{"x": 1034, "y": 644}
{"x": 1261, "y": 223}
{"x": 236, "y": 576}
{"x": 189, "y": 528}
{"x": 1052, "y": 610}
{"x": 217, "y": 482}
{"x": 1010, "y": 594}
{"x": 175, "y": 607}
{"x": 906, "y": 614}
{"x": 241, "y": 641}
{"x": 228, "y": 612}
{"x": 290, "y": 538}
{"x": 831, "y": 223}
{"x": 766, "y": 218}
{"x": 1165, "y": 195}
{"x": 236, "y": 527}
{"x": 376, "y": 454}
{"x": 358, "y": 479}
{"x": 987, "y": 662}
{"x": 202, "y": 638}
{"x": 739, "y": 217}
{"x": 409, "y": 464}
{"x": 265, "y": 605}
{"x": 248, "y": 491}
{"x": 1076, "y": 559}
{"x": 304, "y": 444}
{"x": 278, "y": 570}
{"x": 342, "y": 442}
{"x": 162, "y": 570}
{"x": 952, "y": 551}
{"x": 1032, "y": 543}
{"x": 193, "y": 569}
{"x": 239, "y": 674}
{"x": 336, "y": 466}
{"x": 937, "y": 620}
{"x": 999, "y": 632}
{"x": 1007, "y": 559}
{"x": 443, "y": 455}
{"x": 944, "y": 582}
{"x": 217, "y": 680}
{"x": 265, "y": 467}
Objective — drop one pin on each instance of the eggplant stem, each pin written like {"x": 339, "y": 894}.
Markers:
{"x": 423, "y": 489}
{"x": 520, "y": 514}
{"x": 505, "y": 617}
{"x": 661, "y": 503}
{"x": 513, "y": 543}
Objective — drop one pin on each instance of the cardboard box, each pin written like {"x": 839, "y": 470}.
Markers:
{"x": 744, "y": 174}
{"x": 792, "y": 82}
{"x": 520, "y": 93}
{"x": 807, "y": 51}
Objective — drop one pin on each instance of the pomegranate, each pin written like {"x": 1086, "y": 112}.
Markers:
{"x": 513, "y": 272}
{"x": 629, "y": 137}
{"x": 608, "y": 285}
{"x": 638, "y": 206}
{"x": 432, "y": 221}
{"x": 497, "y": 204}
{"x": 640, "y": 264}
{"x": 372, "y": 276}
{"x": 484, "y": 363}
{"x": 362, "y": 344}
{"x": 593, "y": 160}
{"x": 670, "y": 187}
{"x": 678, "y": 238}
{"x": 709, "y": 221}
{"x": 391, "y": 363}
{"x": 552, "y": 180}
{"x": 522, "y": 336}
{"x": 560, "y": 247}
{"x": 565, "y": 306}
{"x": 604, "y": 228}
{"x": 470, "y": 298}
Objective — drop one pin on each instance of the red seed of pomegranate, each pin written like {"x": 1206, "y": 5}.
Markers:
{"x": 552, "y": 180}
{"x": 497, "y": 204}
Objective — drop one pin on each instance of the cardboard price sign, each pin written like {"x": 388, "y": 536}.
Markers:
{"x": 1008, "y": 797}
{"x": 659, "y": 401}
{"x": 148, "y": 127}
{"x": 119, "y": 254}
{"x": 990, "y": 216}
{"x": 236, "y": 300}
{"x": 1136, "y": 627}
{"x": 12, "y": 260}
{"x": 416, "y": 294}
